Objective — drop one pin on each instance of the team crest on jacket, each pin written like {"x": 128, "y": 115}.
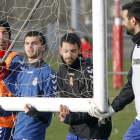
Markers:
{"x": 71, "y": 81}
{"x": 34, "y": 81}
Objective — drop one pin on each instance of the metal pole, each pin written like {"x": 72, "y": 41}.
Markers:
{"x": 117, "y": 47}
{"x": 21, "y": 30}
{"x": 74, "y": 14}
{"x": 45, "y": 104}
{"x": 99, "y": 20}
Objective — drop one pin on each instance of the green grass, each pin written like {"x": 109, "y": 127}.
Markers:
{"x": 121, "y": 120}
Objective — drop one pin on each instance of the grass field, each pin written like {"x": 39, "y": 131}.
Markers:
{"x": 121, "y": 120}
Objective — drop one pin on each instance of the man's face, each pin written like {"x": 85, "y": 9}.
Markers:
{"x": 4, "y": 38}
{"x": 127, "y": 24}
{"x": 69, "y": 52}
{"x": 33, "y": 47}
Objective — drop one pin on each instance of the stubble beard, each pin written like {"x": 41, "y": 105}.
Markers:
{"x": 67, "y": 62}
{"x": 129, "y": 31}
{"x": 4, "y": 46}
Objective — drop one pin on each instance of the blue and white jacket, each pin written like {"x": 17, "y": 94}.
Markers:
{"x": 38, "y": 80}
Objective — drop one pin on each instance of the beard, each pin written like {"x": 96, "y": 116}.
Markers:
{"x": 4, "y": 44}
{"x": 34, "y": 55}
{"x": 65, "y": 60}
{"x": 69, "y": 62}
{"x": 129, "y": 31}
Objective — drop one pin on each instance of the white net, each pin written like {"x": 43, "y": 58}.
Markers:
{"x": 54, "y": 19}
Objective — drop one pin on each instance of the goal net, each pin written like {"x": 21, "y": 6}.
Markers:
{"x": 54, "y": 19}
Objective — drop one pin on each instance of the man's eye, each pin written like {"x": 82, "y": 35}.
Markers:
{"x": 73, "y": 51}
{"x": 5, "y": 33}
{"x": 35, "y": 43}
{"x": 65, "y": 51}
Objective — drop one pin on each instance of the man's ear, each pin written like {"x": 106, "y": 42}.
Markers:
{"x": 60, "y": 50}
{"x": 133, "y": 20}
{"x": 43, "y": 48}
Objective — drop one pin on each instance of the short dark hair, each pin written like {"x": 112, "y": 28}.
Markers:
{"x": 71, "y": 39}
{"x": 37, "y": 34}
{"x": 133, "y": 10}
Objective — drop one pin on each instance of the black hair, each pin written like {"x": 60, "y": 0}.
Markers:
{"x": 6, "y": 25}
{"x": 37, "y": 34}
{"x": 71, "y": 39}
{"x": 133, "y": 10}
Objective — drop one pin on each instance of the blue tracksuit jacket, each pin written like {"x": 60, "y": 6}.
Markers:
{"x": 16, "y": 66}
{"x": 38, "y": 80}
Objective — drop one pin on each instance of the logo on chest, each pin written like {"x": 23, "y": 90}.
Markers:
{"x": 71, "y": 81}
{"x": 136, "y": 61}
{"x": 34, "y": 81}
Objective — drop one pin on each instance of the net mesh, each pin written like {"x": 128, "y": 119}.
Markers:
{"x": 52, "y": 18}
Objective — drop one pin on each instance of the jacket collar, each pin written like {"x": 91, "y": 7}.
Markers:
{"x": 136, "y": 38}
{"x": 37, "y": 64}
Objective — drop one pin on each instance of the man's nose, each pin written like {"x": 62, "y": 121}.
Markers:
{"x": 1, "y": 35}
{"x": 30, "y": 46}
{"x": 69, "y": 54}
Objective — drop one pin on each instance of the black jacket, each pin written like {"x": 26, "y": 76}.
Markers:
{"x": 76, "y": 81}
{"x": 126, "y": 95}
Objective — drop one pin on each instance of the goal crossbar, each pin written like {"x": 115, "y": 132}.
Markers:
{"x": 45, "y": 104}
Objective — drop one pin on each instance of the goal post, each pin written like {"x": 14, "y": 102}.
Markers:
{"x": 100, "y": 97}
{"x": 99, "y": 26}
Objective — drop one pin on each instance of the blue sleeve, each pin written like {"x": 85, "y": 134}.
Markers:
{"x": 50, "y": 89}
{"x": 17, "y": 65}
{"x": 10, "y": 83}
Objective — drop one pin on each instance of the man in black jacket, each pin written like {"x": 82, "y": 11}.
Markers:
{"x": 75, "y": 80}
{"x": 131, "y": 21}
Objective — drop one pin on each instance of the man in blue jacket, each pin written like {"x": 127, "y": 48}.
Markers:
{"x": 37, "y": 80}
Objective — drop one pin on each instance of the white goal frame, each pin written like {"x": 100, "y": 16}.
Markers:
{"x": 100, "y": 97}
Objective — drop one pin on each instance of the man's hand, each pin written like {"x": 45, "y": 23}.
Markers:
{"x": 3, "y": 70}
{"x": 31, "y": 111}
{"x": 91, "y": 110}
{"x": 105, "y": 115}
{"x": 63, "y": 111}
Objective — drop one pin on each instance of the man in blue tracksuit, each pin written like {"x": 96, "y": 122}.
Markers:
{"x": 37, "y": 80}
